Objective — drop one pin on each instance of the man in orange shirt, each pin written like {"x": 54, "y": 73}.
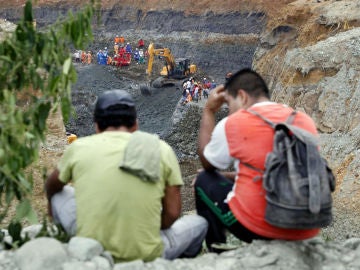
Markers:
{"x": 235, "y": 201}
{"x": 89, "y": 57}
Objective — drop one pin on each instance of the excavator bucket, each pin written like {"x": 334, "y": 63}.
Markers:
{"x": 145, "y": 90}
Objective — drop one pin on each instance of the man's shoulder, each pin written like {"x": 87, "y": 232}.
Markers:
{"x": 83, "y": 140}
{"x": 164, "y": 146}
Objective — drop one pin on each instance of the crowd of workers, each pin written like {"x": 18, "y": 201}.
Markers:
{"x": 122, "y": 54}
{"x": 194, "y": 90}
{"x": 83, "y": 57}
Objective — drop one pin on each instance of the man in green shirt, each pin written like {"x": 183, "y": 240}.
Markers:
{"x": 126, "y": 191}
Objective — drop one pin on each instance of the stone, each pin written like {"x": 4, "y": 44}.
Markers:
{"x": 41, "y": 254}
{"x": 352, "y": 243}
{"x": 134, "y": 265}
{"x": 80, "y": 266}
{"x": 7, "y": 261}
{"x": 31, "y": 230}
{"x": 84, "y": 248}
{"x": 101, "y": 263}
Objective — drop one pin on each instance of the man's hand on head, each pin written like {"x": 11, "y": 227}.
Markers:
{"x": 216, "y": 99}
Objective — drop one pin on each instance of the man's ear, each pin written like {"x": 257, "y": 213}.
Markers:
{"x": 97, "y": 130}
{"x": 135, "y": 127}
{"x": 243, "y": 95}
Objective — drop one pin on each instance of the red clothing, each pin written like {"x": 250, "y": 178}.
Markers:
{"x": 249, "y": 140}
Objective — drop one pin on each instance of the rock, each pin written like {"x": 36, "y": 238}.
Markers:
{"x": 84, "y": 248}
{"x": 80, "y": 266}
{"x": 31, "y": 231}
{"x": 7, "y": 261}
{"x": 41, "y": 254}
{"x": 352, "y": 243}
{"x": 134, "y": 265}
{"x": 312, "y": 254}
{"x": 101, "y": 263}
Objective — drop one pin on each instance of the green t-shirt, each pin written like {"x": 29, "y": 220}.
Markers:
{"x": 115, "y": 207}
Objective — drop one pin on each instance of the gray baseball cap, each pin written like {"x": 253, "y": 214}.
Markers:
{"x": 114, "y": 102}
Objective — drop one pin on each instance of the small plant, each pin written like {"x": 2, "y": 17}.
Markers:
{"x": 36, "y": 73}
{"x": 18, "y": 238}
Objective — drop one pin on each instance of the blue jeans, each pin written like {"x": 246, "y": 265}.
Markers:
{"x": 184, "y": 238}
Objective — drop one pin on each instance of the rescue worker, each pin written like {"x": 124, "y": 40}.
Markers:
{"x": 116, "y": 48}
{"x": 109, "y": 60}
{"x": 103, "y": 58}
{"x": 141, "y": 58}
{"x": 122, "y": 50}
{"x": 136, "y": 55}
{"x": 128, "y": 48}
{"x": 98, "y": 56}
{"x": 89, "y": 57}
{"x": 77, "y": 56}
{"x": 141, "y": 43}
{"x": 117, "y": 39}
{"x": 83, "y": 57}
{"x": 122, "y": 40}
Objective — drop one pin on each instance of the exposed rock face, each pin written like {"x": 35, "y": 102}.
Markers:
{"x": 321, "y": 77}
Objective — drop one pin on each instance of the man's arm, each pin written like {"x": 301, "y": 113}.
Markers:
{"x": 207, "y": 124}
{"x": 171, "y": 204}
{"x": 52, "y": 186}
{"x": 229, "y": 175}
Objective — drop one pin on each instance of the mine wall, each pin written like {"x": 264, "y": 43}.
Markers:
{"x": 216, "y": 43}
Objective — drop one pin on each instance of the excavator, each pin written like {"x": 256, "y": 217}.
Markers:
{"x": 173, "y": 71}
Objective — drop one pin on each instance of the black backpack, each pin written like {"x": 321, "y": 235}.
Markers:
{"x": 297, "y": 180}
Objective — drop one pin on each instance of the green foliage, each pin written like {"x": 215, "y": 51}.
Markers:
{"x": 18, "y": 239}
{"x": 36, "y": 73}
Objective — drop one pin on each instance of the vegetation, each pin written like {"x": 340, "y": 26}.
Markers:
{"x": 36, "y": 73}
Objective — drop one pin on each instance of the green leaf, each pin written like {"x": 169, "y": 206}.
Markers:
{"x": 66, "y": 66}
{"x": 14, "y": 230}
{"x": 32, "y": 217}
{"x": 23, "y": 209}
{"x": 28, "y": 15}
{"x": 2, "y": 156}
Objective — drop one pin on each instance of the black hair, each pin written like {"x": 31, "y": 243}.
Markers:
{"x": 249, "y": 81}
{"x": 116, "y": 116}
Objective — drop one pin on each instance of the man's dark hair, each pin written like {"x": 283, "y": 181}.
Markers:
{"x": 115, "y": 108}
{"x": 123, "y": 115}
{"x": 249, "y": 81}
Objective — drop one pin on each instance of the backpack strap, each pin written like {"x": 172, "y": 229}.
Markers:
{"x": 270, "y": 123}
{"x": 289, "y": 120}
{"x": 291, "y": 117}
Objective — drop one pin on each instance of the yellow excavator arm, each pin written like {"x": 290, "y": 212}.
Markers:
{"x": 166, "y": 54}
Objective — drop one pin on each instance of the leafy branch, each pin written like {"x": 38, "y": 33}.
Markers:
{"x": 36, "y": 74}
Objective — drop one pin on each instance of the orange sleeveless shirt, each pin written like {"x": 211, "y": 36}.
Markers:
{"x": 250, "y": 139}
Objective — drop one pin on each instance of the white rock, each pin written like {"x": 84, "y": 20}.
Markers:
{"x": 134, "y": 265}
{"x": 84, "y": 248}
{"x": 101, "y": 263}
{"x": 41, "y": 254}
{"x": 79, "y": 266}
